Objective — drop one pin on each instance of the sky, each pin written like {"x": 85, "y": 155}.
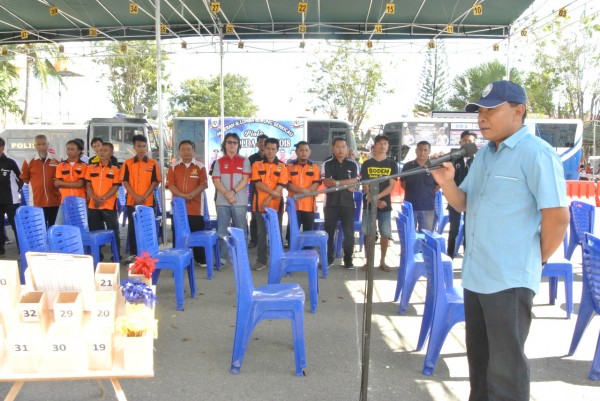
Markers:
{"x": 278, "y": 74}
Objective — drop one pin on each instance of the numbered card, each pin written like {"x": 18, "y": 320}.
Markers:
{"x": 449, "y": 28}
{"x": 68, "y": 309}
{"x": 53, "y": 11}
{"x": 63, "y": 350}
{"x": 24, "y": 34}
{"x": 378, "y": 28}
{"x": 302, "y": 7}
{"x": 390, "y": 8}
{"x": 229, "y": 28}
{"x": 103, "y": 310}
{"x": 477, "y": 9}
{"x": 134, "y": 8}
{"x": 32, "y": 307}
{"x": 215, "y": 6}
{"x": 99, "y": 347}
{"x": 23, "y": 347}
{"x": 164, "y": 29}
{"x": 302, "y": 28}
{"x": 93, "y": 32}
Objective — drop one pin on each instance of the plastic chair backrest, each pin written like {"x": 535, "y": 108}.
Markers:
{"x": 293, "y": 222}
{"x": 122, "y": 196}
{"x": 591, "y": 269}
{"x": 432, "y": 256}
{"x": 582, "y": 219}
{"x": 439, "y": 208}
{"x": 406, "y": 242}
{"x": 236, "y": 245}
{"x": 145, "y": 230}
{"x": 205, "y": 211}
{"x": 25, "y": 195}
{"x": 65, "y": 239}
{"x": 180, "y": 221}
{"x": 275, "y": 244}
{"x": 407, "y": 210}
{"x": 358, "y": 200}
{"x": 31, "y": 229}
{"x": 75, "y": 211}
{"x": 158, "y": 201}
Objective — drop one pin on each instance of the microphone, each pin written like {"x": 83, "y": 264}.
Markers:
{"x": 466, "y": 150}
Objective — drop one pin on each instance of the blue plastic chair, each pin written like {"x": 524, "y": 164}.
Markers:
{"x": 305, "y": 239}
{"x": 209, "y": 222}
{"x": 158, "y": 209}
{"x": 582, "y": 221}
{"x": 65, "y": 239}
{"x": 559, "y": 267}
{"x": 339, "y": 235}
{"x": 281, "y": 263}
{"x": 460, "y": 237}
{"x": 177, "y": 260}
{"x": 409, "y": 273}
{"x": 32, "y": 234}
{"x": 441, "y": 213}
{"x": 75, "y": 211}
{"x": 590, "y": 298}
{"x": 446, "y": 303}
{"x": 407, "y": 210}
{"x": 207, "y": 239}
{"x": 271, "y": 301}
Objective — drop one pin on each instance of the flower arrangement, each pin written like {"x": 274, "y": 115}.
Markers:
{"x": 137, "y": 325}
{"x": 136, "y": 292}
{"x": 143, "y": 265}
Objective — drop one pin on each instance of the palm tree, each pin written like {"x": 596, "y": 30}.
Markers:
{"x": 41, "y": 68}
{"x": 469, "y": 85}
{"x": 8, "y": 89}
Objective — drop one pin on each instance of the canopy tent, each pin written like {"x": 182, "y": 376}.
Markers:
{"x": 71, "y": 20}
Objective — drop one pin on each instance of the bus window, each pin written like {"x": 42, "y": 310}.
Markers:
{"x": 129, "y": 133}
{"x": 117, "y": 134}
{"x": 557, "y": 135}
{"x": 102, "y": 131}
{"x": 318, "y": 133}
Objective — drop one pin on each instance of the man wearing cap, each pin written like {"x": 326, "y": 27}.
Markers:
{"x": 510, "y": 238}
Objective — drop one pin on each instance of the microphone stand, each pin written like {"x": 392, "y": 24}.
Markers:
{"x": 368, "y": 310}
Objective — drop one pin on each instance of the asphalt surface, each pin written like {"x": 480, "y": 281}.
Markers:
{"x": 193, "y": 349}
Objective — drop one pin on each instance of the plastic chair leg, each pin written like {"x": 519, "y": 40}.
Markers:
{"x": 569, "y": 292}
{"x": 208, "y": 252}
{"x": 243, "y": 331}
{"x": 217, "y": 253}
{"x": 426, "y": 322}
{"x": 413, "y": 274}
{"x": 115, "y": 250}
{"x": 95, "y": 251}
{"x": 298, "y": 339}
{"x": 595, "y": 371}
{"x": 586, "y": 312}
{"x": 192, "y": 279}
{"x": 313, "y": 288}
{"x": 178, "y": 278}
{"x": 399, "y": 282}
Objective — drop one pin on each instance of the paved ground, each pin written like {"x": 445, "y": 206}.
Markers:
{"x": 193, "y": 351}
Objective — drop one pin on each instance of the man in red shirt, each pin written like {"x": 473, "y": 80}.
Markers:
{"x": 187, "y": 179}
{"x": 139, "y": 175}
{"x": 39, "y": 173}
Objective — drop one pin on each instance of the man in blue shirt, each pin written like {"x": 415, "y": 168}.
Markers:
{"x": 516, "y": 208}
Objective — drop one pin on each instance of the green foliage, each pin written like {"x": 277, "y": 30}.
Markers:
{"x": 434, "y": 84}
{"x": 349, "y": 80}
{"x": 132, "y": 75}
{"x": 469, "y": 85}
{"x": 8, "y": 95}
{"x": 200, "y": 97}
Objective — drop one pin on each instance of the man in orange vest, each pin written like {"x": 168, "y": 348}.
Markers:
{"x": 102, "y": 185}
{"x": 140, "y": 175}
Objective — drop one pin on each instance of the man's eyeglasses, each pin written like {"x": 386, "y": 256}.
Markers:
{"x": 232, "y": 142}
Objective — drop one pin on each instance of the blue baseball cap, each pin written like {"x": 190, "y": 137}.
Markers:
{"x": 498, "y": 93}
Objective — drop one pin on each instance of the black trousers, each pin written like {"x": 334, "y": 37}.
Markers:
{"x": 50, "y": 214}
{"x": 346, "y": 215}
{"x": 103, "y": 219}
{"x": 131, "y": 230}
{"x": 497, "y": 326}
{"x": 10, "y": 210}
{"x": 454, "y": 220}
{"x": 306, "y": 222}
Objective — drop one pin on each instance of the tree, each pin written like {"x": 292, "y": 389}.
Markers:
{"x": 434, "y": 84}
{"x": 132, "y": 75}
{"x": 8, "y": 89}
{"x": 469, "y": 85}
{"x": 41, "y": 68}
{"x": 350, "y": 80}
{"x": 202, "y": 97}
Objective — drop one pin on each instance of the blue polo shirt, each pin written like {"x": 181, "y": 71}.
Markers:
{"x": 506, "y": 189}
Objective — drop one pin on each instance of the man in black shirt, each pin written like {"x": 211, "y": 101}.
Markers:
{"x": 9, "y": 193}
{"x": 379, "y": 166}
{"x": 340, "y": 205}
{"x": 260, "y": 144}
{"x": 461, "y": 167}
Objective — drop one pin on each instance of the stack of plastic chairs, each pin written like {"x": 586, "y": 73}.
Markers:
{"x": 441, "y": 213}
{"x": 24, "y": 195}
{"x": 32, "y": 234}
{"x": 122, "y": 205}
{"x": 65, "y": 239}
{"x": 310, "y": 238}
{"x": 75, "y": 211}
{"x": 272, "y": 301}
{"x": 177, "y": 260}
{"x": 411, "y": 266}
{"x": 590, "y": 298}
{"x": 444, "y": 304}
{"x": 281, "y": 263}
{"x": 339, "y": 236}
{"x": 207, "y": 239}
{"x": 407, "y": 210}
{"x": 582, "y": 221}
